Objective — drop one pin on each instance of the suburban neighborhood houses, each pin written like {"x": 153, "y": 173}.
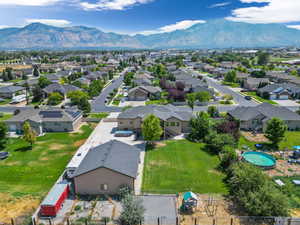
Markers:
{"x": 150, "y": 137}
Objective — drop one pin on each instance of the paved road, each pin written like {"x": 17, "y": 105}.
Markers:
{"x": 98, "y": 105}
{"x": 238, "y": 98}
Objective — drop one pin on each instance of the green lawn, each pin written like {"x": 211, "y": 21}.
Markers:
{"x": 258, "y": 98}
{"x": 98, "y": 115}
{"x": 231, "y": 84}
{"x": 182, "y": 166}
{"x": 5, "y": 102}
{"x": 157, "y": 102}
{"x": 293, "y": 191}
{"x": 5, "y": 116}
{"x": 291, "y": 139}
{"x": 33, "y": 172}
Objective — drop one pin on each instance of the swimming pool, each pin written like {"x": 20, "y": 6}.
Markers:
{"x": 260, "y": 159}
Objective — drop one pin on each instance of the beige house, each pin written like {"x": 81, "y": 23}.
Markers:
{"x": 46, "y": 120}
{"x": 256, "y": 118}
{"x": 142, "y": 93}
{"x": 106, "y": 168}
{"x": 173, "y": 121}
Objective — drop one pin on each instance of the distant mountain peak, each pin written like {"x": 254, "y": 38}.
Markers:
{"x": 217, "y": 33}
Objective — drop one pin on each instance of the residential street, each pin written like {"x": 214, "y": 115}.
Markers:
{"x": 239, "y": 99}
{"x": 98, "y": 105}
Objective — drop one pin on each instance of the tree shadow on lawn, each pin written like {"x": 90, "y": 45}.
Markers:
{"x": 23, "y": 149}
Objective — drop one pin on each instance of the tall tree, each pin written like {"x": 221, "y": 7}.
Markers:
{"x": 133, "y": 211}
{"x": 151, "y": 128}
{"x": 275, "y": 131}
{"x": 44, "y": 82}
{"x": 3, "y": 133}
{"x": 200, "y": 126}
{"x": 191, "y": 98}
{"x": 213, "y": 111}
{"x": 29, "y": 134}
{"x": 36, "y": 72}
{"x": 263, "y": 58}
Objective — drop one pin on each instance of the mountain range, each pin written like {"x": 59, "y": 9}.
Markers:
{"x": 218, "y": 33}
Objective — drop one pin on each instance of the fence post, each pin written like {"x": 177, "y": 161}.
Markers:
{"x": 68, "y": 221}
{"x": 195, "y": 220}
{"x": 50, "y": 222}
{"x": 158, "y": 222}
{"x": 12, "y": 221}
{"x": 176, "y": 220}
{"x": 140, "y": 222}
{"x": 231, "y": 221}
{"x": 289, "y": 221}
{"x": 214, "y": 221}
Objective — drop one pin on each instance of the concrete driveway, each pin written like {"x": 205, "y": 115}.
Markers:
{"x": 160, "y": 206}
{"x": 287, "y": 103}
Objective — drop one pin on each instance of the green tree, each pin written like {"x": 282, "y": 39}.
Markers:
{"x": 29, "y": 134}
{"x": 133, "y": 211}
{"x": 217, "y": 142}
{"x": 36, "y": 72}
{"x": 263, "y": 58}
{"x": 230, "y": 76}
{"x": 252, "y": 189}
{"x": 84, "y": 105}
{"x": 200, "y": 126}
{"x": 55, "y": 98}
{"x": 3, "y": 133}
{"x": 275, "y": 131}
{"x": 44, "y": 82}
{"x": 213, "y": 111}
{"x": 151, "y": 128}
{"x": 203, "y": 96}
{"x": 228, "y": 158}
{"x": 191, "y": 98}
{"x": 37, "y": 93}
{"x": 76, "y": 96}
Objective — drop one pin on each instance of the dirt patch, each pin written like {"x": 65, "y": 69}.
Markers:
{"x": 56, "y": 146}
{"x": 77, "y": 144}
{"x": 17, "y": 163}
{"x": 259, "y": 138}
{"x": 44, "y": 158}
{"x": 160, "y": 144}
{"x": 158, "y": 163}
{"x": 11, "y": 207}
{"x": 212, "y": 210}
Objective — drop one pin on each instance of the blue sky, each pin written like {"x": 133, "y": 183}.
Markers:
{"x": 146, "y": 16}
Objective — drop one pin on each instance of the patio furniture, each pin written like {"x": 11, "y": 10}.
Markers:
{"x": 296, "y": 182}
{"x": 279, "y": 182}
{"x": 4, "y": 155}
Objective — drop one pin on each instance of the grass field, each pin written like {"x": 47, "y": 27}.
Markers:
{"x": 98, "y": 115}
{"x": 33, "y": 172}
{"x": 258, "y": 98}
{"x": 157, "y": 102}
{"x": 291, "y": 139}
{"x": 231, "y": 84}
{"x": 5, "y": 116}
{"x": 182, "y": 166}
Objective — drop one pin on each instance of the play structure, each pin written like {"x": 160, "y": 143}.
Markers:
{"x": 189, "y": 202}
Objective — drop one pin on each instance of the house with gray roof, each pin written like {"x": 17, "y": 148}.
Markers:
{"x": 142, "y": 82}
{"x": 142, "y": 93}
{"x": 11, "y": 91}
{"x": 106, "y": 168}
{"x": 252, "y": 83}
{"x": 46, "y": 120}
{"x": 256, "y": 118}
{"x": 282, "y": 91}
{"x": 174, "y": 121}
{"x": 63, "y": 89}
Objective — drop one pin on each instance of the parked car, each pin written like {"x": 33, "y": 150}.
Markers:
{"x": 249, "y": 98}
{"x": 4, "y": 155}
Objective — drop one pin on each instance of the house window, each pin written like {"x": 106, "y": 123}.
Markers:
{"x": 173, "y": 124}
{"x": 167, "y": 124}
{"x": 177, "y": 124}
{"x": 104, "y": 187}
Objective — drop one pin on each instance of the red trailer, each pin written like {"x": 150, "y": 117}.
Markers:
{"x": 54, "y": 200}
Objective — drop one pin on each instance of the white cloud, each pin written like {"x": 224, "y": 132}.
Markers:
{"x": 182, "y": 25}
{"x": 4, "y": 26}
{"x": 52, "y": 22}
{"x": 221, "y": 4}
{"x": 112, "y": 4}
{"x": 28, "y": 2}
{"x": 276, "y": 11}
{"x": 294, "y": 26}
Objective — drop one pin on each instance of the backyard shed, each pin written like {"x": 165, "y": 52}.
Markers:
{"x": 54, "y": 200}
